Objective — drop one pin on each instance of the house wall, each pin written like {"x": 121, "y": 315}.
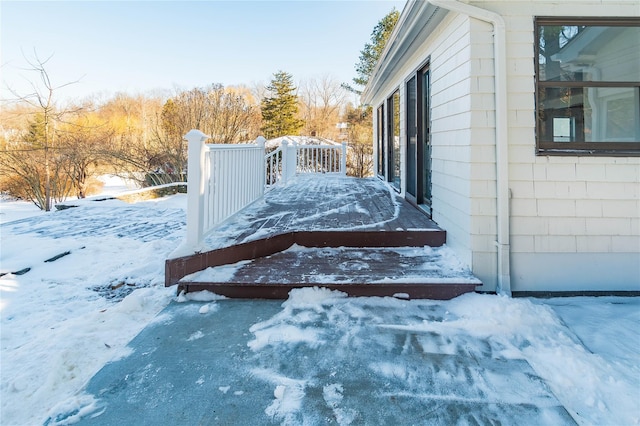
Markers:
{"x": 462, "y": 136}
{"x": 575, "y": 220}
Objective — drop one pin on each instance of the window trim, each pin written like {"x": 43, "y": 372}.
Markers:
{"x": 380, "y": 139}
{"x": 549, "y": 147}
{"x": 394, "y": 155}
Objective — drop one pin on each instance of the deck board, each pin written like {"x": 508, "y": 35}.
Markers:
{"x": 344, "y": 265}
{"x": 321, "y": 204}
{"x": 321, "y": 212}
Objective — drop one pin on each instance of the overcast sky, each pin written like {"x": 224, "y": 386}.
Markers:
{"x": 138, "y": 47}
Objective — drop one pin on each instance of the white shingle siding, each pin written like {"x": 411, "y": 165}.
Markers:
{"x": 463, "y": 138}
{"x": 626, "y": 243}
{"x": 575, "y": 221}
{"x": 575, "y": 204}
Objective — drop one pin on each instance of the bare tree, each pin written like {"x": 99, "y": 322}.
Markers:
{"x": 227, "y": 115}
{"x": 137, "y": 146}
{"x": 35, "y": 161}
{"x": 147, "y": 139}
{"x": 360, "y": 134}
{"x": 322, "y": 101}
{"x": 81, "y": 146}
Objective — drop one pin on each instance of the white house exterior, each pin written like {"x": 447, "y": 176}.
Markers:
{"x": 516, "y": 126}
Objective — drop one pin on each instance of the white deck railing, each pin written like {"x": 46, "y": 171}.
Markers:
{"x": 223, "y": 178}
{"x": 288, "y": 160}
{"x": 321, "y": 158}
{"x": 274, "y": 167}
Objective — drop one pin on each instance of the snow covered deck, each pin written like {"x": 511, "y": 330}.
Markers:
{"x": 355, "y": 235}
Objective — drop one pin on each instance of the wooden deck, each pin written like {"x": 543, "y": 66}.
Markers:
{"x": 362, "y": 217}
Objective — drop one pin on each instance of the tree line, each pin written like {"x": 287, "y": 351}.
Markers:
{"x": 50, "y": 151}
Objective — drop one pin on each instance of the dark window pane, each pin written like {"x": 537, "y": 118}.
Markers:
{"x": 590, "y": 114}
{"x": 396, "y": 140}
{"x": 562, "y": 114}
{"x": 589, "y": 53}
{"x": 588, "y": 86}
{"x": 412, "y": 136}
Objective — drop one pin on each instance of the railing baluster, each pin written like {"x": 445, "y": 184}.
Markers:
{"x": 320, "y": 159}
{"x": 219, "y": 183}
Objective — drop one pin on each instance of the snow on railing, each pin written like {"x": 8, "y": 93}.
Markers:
{"x": 222, "y": 179}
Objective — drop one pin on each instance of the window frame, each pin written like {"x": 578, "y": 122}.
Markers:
{"x": 394, "y": 161}
{"x": 380, "y": 138}
{"x": 601, "y": 148}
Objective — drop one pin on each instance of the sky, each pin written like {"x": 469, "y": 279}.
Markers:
{"x": 146, "y": 46}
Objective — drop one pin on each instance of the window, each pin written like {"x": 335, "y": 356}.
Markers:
{"x": 393, "y": 133}
{"x": 380, "y": 140}
{"x": 588, "y": 86}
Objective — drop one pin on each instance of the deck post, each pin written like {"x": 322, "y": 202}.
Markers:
{"x": 195, "y": 188}
{"x": 285, "y": 162}
{"x": 292, "y": 159}
{"x": 289, "y": 160}
{"x": 343, "y": 160}
{"x": 261, "y": 141}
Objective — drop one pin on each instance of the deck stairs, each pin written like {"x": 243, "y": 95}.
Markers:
{"x": 352, "y": 235}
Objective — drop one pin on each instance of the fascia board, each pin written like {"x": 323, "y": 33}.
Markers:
{"x": 416, "y": 19}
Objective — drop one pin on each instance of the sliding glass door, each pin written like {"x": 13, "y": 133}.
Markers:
{"x": 412, "y": 140}
{"x": 424, "y": 137}
{"x": 418, "y": 141}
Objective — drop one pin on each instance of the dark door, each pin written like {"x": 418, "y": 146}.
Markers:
{"x": 412, "y": 140}
{"x": 424, "y": 140}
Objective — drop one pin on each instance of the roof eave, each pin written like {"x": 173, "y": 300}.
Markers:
{"x": 410, "y": 22}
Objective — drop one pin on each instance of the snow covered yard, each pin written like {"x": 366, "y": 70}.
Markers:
{"x": 63, "y": 320}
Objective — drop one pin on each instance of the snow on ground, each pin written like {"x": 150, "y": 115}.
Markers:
{"x": 62, "y": 321}
{"x": 586, "y": 348}
{"x": 11, "y": 210}
{"x": 115, "y": 184}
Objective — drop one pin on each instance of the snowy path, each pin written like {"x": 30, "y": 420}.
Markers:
{"x": 321, "y": 358}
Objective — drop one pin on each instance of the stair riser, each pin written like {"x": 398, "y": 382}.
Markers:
{"x": 432, "y": 291}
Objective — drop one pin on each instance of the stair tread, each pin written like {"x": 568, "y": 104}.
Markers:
{"x": 303, "y": 265}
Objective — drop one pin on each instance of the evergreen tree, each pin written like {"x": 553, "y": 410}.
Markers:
{"x": 371, "y": 53}
{"x": 280, "y": 107}
{"x": 36, "y": 133}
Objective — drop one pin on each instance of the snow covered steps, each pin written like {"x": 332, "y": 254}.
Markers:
{"x": 406, "y": 272}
